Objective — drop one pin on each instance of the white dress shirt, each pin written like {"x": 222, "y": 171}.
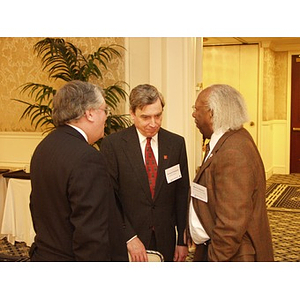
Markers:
{"x": 154, "y": 145}
{"x": 197, "y": 231}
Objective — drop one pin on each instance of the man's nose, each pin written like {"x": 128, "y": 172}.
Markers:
{"x": 152, "y": 121}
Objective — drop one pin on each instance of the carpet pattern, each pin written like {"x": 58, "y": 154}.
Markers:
{"x": 283, "y": 197}
{"x": 285, "y": 235}
{"x": 17, "y": 252}
{"x": 284, "y": 224}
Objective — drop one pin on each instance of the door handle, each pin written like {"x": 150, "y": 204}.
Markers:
{"x": 296, "y": 129}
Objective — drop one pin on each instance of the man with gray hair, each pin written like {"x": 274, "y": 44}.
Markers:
{"x": 227, "y": 214}
{"x": 72, "y": 200}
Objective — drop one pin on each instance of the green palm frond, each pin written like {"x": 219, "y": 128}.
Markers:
{"x": 64, "y": 61}
{"x": 38, "y": 92}
{"x": 114, "y": 93}
{"x": 39, "y": 115}
{"x": 61, "y": 59}
{"x": 115, "y": 122}
{"x": 105, "y": 54}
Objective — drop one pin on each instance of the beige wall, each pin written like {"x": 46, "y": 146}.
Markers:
{"x": 275, "y": 85}
{"x": 19, "y": 65}
{"x": 275, "y": 128}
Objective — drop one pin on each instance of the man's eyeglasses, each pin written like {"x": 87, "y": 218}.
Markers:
{"x": 196, "y": 108}
{"x": 107, "y": 110}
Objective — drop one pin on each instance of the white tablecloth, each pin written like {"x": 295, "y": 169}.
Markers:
{"x": 3, "y": 189}
{"x": 17, "y": 222}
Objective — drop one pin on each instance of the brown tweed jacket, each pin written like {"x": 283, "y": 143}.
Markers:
{"x": 235, "y": 216}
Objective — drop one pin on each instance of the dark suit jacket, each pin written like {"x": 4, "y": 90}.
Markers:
{"x": 72, "y": 201}
{"x": 129, "y": 177}
{"x": 235, "y": 216}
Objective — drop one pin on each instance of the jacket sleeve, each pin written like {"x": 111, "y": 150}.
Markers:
{"x": 111, "y": 160}
{"x": 233, "y": 187}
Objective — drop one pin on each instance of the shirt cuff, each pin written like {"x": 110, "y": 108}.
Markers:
{"x": 131, "y": 239}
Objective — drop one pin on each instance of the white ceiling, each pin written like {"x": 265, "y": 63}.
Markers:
{"x": 275, "y": 43}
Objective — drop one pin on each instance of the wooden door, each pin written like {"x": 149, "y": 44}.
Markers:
{"x": 295, "y": 116}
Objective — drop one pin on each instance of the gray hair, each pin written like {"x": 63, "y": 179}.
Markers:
{"x": 73, "y": 99}
{"x": 228, "y": 107}
{"x": 144, "y": 94}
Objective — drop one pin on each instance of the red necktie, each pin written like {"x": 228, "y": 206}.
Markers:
{"x": 151, "y": 166}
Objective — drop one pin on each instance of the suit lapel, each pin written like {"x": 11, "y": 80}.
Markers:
{"x": 211, "y": 156}
{"x": 164, "y": 152}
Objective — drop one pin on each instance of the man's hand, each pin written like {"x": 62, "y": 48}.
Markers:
{"x": 137, "y": 250}
{"x": 181, "y": 253}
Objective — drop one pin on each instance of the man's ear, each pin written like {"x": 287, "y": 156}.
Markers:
{"x": 89, "y": 114}
{"x": 132, "y": 114}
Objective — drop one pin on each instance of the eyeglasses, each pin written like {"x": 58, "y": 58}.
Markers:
{"x": 196, "y": 108}
{"x": 107, "y": 110}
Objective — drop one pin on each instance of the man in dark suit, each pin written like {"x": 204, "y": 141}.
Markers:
{"x": 227, "y": 215}
{"x": 151, "y": 219}
{"x": 72, "y": 200}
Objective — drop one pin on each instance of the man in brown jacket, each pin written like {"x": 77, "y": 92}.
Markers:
{"x": 227, "y": 214}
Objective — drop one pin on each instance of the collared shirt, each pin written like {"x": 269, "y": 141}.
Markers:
{"x": 80, "y": 131}
{"x": 197, "y": 231}
{"x": 154, "y": 145}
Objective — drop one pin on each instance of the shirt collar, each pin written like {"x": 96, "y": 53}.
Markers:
{"x": 80, "y": 131}
{"x": 142, "y": 138}
{"x": 215, "y": 138}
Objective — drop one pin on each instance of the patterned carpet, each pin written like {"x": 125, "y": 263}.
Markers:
{"x": 9, "y": 252}
{"x": 284, "y": 223}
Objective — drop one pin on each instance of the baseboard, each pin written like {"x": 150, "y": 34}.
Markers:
{"x": 269, "y": 173}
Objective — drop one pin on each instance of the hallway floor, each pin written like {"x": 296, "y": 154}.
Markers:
{"x": 285, "y": 225}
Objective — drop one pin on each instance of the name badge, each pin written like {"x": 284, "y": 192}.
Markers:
{"x": 173, "y": 173}
{"x": 199, "y": 191}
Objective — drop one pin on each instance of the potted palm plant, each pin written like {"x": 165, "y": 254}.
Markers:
{"x": 64, "y": 61}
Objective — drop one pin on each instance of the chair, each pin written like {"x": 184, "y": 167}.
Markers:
{"x": 153, "y": 256}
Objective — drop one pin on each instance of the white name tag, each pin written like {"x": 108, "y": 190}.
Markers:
{"x": 199, "y": 191}
{"x": 173, "y": 173}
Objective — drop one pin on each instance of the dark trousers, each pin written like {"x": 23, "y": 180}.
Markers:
{"x": 201, "y": 253}
{"x": 152, "y": 245}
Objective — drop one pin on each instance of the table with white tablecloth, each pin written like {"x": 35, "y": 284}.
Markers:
{"x": 3, "y": 189}
{"x": 16, "y": 222}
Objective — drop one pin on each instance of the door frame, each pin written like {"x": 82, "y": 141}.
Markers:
{"x": 288, "y": 109}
